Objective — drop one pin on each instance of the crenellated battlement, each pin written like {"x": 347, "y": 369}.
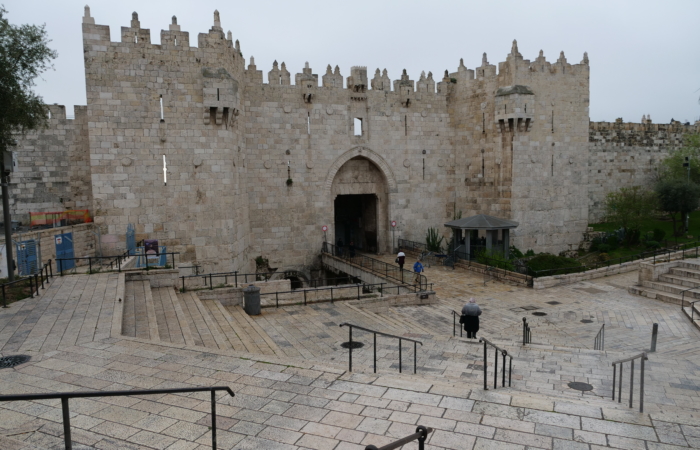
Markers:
{"x": 645, "y": 134}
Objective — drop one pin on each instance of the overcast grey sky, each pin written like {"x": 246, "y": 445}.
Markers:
{"x": 644, "y": 55}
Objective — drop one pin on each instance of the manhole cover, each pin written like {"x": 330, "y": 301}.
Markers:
{"x": 530, "y": 308}
{"x": 580, "y": 386}
{"x": 353, "y": 344}
{"x": 12, "y": 361}
{"x": 554, "y": 302}
{"x": 586, "y": 321}
{"x": 539, "y": 313}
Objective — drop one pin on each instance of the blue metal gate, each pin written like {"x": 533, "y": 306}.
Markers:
{"x": 26, "y": 257}
{"x": 64, "y": 249}
{"x": 131, "y": 239}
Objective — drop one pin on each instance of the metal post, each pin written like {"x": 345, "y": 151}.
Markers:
{"x": 358, "y": 291}
{"x": 619, "y": 385}
{"x": 399, "y": 355}
{"x": 375, "y": 352}
{"x": 90, "y": 264}
{"x": 66, "y": 423}
{"x": 486, "y": 356}
{"x": 654, "y": 334}
{"x": 524, "y": 325}
{"x": 8, "y": 224}
{"x": 613, "y": 384}
{"x": 235, "y": 278}
{"x": 641, "y": 385}
{"x": 183, "y": 284}
{"x": 631, "y": 382}
{"x": 213, "y": 419}
{"x": 454, "y": 324}
{"x": 304, "y": 297}
{"x": 350, "y": 347}
{"x": 381, "y": 289}
{"x": 41, "y": 275}
{"x": 423, "y": 435}
{"x": 60, "y": 266}
{"x": 510, "y": 370}
{"x": 503, "y": 383}
{"x": 495, "y": 368}
{"x": 173, "y": 259}
{"x": 31, "y": 287}
{"x": 145, "y": 256}
{"x": 36, "y": 283}
{"x": 331, "y": 294}
{"x": 4, "y": 299}
{"x": 211, "y": 283}
{"x": 277, "y": 299}
{"x": 415, "y": 357}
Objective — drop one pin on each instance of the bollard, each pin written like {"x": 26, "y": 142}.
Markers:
{"x": 654, "y": 334}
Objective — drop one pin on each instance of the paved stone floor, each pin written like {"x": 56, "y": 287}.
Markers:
{"x": 291, "y": 381}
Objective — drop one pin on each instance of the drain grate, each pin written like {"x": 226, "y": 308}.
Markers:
{"x": 586, "y": 321}
{"x": 553, "y": 302}
{"x": 539, "y": 313}
{"x": 530, "y": 308}
{"x": 580, "y": 386}
{"x": 12, "y": 361}
{"x": 353, "y": 344}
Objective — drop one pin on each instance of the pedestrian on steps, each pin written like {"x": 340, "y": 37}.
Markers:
{"x": 418, "y": 268}
{"x": 401, "y": 259}
{"x": 470, "y": 318}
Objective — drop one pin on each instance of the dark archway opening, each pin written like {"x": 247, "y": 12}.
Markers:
{"x": 296, "y": 282}
{"x": 356, "y": 221}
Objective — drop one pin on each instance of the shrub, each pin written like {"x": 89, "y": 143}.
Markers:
{"x": 659, "y": 234}
{"x": 433, "y": 240}
{"x": 495, "y": 259}
{"x": 555, "y": 265}
{"x": 595, "y": 244}
{"x": 653, "y": 244}
{"x": 530, "y": 252}
{"x": 603, "y": 257}
{"x": 612, "y": 241}
{"x": 515, "y": 252}
{"x": 604, "y": 248}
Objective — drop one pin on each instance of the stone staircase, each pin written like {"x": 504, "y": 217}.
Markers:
{"x": 677, "y": 287}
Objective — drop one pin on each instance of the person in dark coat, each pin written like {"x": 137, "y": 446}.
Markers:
{"x": 470, "y": 318}
{"x": 401, "y": 259}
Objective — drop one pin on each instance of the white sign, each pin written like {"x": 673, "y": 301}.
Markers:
{"x": 59, "y": 240}
{"x": 393, "y": 223}
{"x": 324, "y": 228}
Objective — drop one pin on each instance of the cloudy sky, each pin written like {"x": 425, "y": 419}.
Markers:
{"x": 643, "y": 54}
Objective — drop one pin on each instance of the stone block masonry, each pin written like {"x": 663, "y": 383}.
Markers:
{"x": 257, "y": 168}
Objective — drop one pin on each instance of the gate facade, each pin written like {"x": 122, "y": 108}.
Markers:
{"x": 64, "y": 249}
{"x": 26, "y": 258}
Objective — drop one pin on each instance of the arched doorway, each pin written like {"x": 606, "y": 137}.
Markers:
{"x": 360, "y": 205}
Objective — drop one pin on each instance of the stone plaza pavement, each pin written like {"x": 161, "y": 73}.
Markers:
{"x": 291, "y": 381}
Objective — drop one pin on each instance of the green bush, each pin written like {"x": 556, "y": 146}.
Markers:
{"x": 659, "y": 234}
{"x": 595, "y": 243}
{"x": 530, "y": 252}
{"x": 433, "y": 240}
{"x": 653, "y": 244}
{"x": 555, "y": 265}
{"x": 603, "y": 248}
{"x": 613, "y": 242}
{"x": 515, "y": 252}
{"x": 495, "y": 259}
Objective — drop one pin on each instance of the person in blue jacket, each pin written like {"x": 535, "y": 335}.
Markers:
{"x": 418, "y": 268}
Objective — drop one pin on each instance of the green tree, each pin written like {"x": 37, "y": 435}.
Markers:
{"x": 433, "y": 240}
{"x": 677, "y": 197}
{"x": 628, "y": 208}
{"x": 24, "y": 55}
{"x": 672, "y": 167}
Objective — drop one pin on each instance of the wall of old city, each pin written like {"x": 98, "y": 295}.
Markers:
{"x": 254, "y": 167}
{"x": 625, "y": 154}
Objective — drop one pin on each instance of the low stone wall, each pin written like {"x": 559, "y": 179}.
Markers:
{"x": 84, "y": 242}
{"x": 156, "y": 278}
{"x": 366, "y": 276}
{"x": 559, "y": 280}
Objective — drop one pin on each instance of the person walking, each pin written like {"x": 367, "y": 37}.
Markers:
{"x": 470, "y": 318}
{"x": 417, "y": 268}
{"x": 401, "y": 259}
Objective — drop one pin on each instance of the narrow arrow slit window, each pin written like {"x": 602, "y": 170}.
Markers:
{"x": 165, "y": 172}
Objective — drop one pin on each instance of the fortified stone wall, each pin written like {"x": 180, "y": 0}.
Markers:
{"x": 257, "y": 168}
{"x": 53, "y": 172}
{"x": 627, "y": 154}
{"x": 174, "y": 104}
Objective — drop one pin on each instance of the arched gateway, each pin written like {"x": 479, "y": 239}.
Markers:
{"x": 360, "y": 183}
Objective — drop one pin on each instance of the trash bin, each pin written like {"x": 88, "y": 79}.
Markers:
{"x": 251, "y": 300}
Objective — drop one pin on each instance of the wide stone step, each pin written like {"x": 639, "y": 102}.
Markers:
{"x": 655, "y": 294}
{"x": 693, "y": 315}
{"x": 680, "y": 280}
{"x": 686, "y": 270}
{"x": 672, "y": 289}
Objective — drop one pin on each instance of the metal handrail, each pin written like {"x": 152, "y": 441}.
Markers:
{"x": 527, "y": 332}
{"x": 454, "y": 323}
{"x": 415, "y": 347}
{"x": 599, "y": 342}
{"x": 405, "y": 275}
{"x": 65, "y": 396}
{"x": 117, "y": 258}
{"x": 259, "y": 276}
{"x": 692, "y": 310}
{"x": 359, "y": 286}
{"x": 421, "y": 435}
{"x": 505, "y": 354}
{"x": 43, "y": 275}
{"x": 683, "y": 295}
{"x": 642, "y": 357}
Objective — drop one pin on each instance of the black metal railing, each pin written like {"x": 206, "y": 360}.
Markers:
{"x": 687, "y": 291}
{"x": 692, "y": 310}
{"x": 412, "y": 246}
{"x": 527, "y": 332}
{"x": 42, "y": 276}
{"x": 599, "y": 342}
{"x": 356, "y": 293}
{"x": 65, "y": 396}
{"x": 375, "y": 333}
{"x": 111, "y": 261}
{"x": 455, "y": 314}
{"x": 421, "y": 435}
{"x": 235, "y": 276}
{"x": 505, "y": 355}
{"x": 653, "y": 254}
{"x": 384, "y": 270}
{"x": 642, "y": 357}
